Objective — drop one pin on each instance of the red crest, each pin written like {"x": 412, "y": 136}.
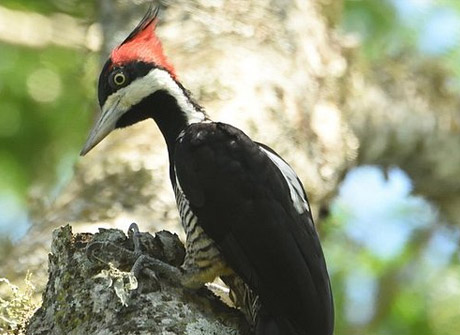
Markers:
{"x": 143, "y": 45}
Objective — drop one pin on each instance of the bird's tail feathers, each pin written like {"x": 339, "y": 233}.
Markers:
{"x": 267, "y": 324}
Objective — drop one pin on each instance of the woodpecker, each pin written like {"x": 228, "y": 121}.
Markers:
{"x": 243, "y": 208}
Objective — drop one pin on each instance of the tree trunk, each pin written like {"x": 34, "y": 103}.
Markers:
{"x": 83, "y": 296}
{"x": 281, "y": 72}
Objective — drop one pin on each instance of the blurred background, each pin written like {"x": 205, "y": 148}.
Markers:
{"x": 394, "y": 260}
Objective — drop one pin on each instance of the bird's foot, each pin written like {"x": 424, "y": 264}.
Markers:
{"x": 148, "y": 265}
{"x": 143, "y": 254}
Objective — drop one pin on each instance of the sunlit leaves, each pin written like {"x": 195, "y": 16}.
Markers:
{"x": 84, "y": 9}
{"x": 389, "y": 28}
{"x": 46, "y": 98}
{"x": 396, "y": 282}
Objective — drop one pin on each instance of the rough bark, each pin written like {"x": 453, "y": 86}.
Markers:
{"x": 85, "y": 296}
{"x": 281, "y": 72}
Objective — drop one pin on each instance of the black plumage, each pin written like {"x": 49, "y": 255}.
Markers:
{"x": 242, "y": 202}
{"x": 243, "y": 208}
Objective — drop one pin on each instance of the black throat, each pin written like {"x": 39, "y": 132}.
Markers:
{"x": 164, "y": 110}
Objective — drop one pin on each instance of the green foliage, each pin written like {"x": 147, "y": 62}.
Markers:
{"x": 79, "y": 8}
{"x": 47, "y": 96}
{"x": 385, "y": 33}
{"x": 378, "y": 25}
{"x": 410, "y": 294}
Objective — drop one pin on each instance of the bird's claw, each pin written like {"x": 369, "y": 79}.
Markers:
{"x": 97, "y": 249}
{"x": 141, "y": 253}
{"x": 134, "y": 235}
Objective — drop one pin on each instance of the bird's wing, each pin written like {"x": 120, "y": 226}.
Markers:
{"x": 249, "y": 202}
{"x": 296, "y": 190}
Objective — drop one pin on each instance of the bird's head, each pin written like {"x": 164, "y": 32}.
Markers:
{"x": 134, "y": 72}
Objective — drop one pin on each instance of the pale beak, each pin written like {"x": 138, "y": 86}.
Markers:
{"x": 105, "y": 124}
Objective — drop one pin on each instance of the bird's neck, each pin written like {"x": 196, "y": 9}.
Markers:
{"x": 172, "y": 115}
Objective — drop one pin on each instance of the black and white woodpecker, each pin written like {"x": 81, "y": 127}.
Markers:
{"x": 243, "y": 208}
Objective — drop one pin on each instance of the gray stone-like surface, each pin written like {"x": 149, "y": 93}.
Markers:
{"x": 80, "y": 297}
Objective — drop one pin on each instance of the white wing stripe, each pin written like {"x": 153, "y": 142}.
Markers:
{"x": 295, "y": 188}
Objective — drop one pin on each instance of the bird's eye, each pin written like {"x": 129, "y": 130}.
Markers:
{"x": 118, "y": 79}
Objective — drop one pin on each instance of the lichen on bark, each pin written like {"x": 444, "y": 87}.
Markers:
{"x": 80, "y": 298}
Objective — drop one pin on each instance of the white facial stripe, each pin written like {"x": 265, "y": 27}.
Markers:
{"x": 119, "y": 102}
{"x": 155, "y": 80}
